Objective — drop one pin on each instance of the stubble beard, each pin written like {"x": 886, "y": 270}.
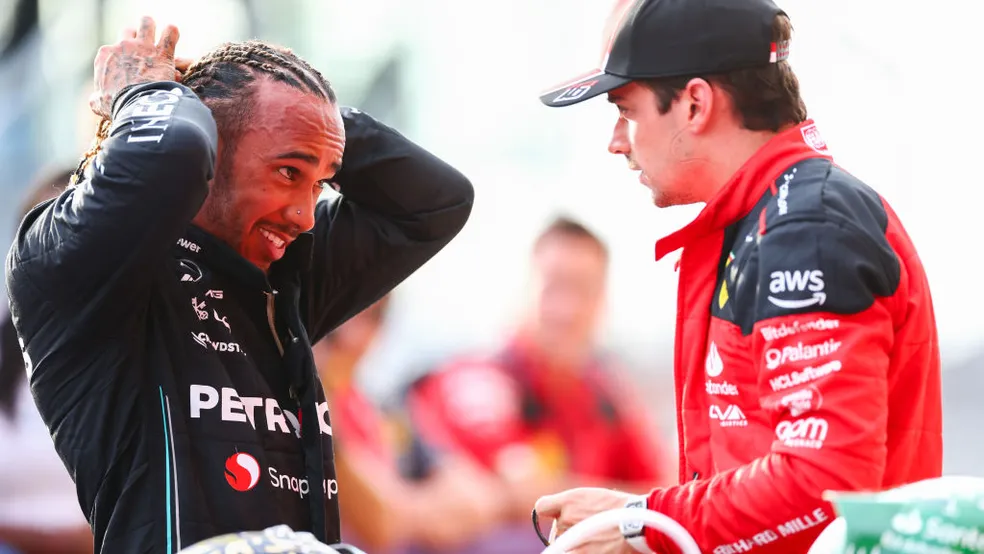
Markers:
{"x": 220, "y": 209}
{"x": 663, "y": 199}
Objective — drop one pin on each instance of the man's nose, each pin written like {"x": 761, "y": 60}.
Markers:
{"x": 301, "y": 215}
{"x": 620, "y": 142}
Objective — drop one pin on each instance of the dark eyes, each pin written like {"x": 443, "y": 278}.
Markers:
{"x": 292, "y": 173}
{"x": 289, "y": 173}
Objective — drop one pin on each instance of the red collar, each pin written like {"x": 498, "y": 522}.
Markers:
{"x": 748, "y": 184}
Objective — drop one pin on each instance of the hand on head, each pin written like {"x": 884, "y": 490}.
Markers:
{"x": 134, "y": 58}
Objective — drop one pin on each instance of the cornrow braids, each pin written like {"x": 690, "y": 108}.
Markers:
{"x": 223, "y": 80}
{"x": 220, "y": 73}
{"x": 102, "y": 131}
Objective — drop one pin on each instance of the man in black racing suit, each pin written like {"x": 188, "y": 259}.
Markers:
{"x": 167, "y": 302}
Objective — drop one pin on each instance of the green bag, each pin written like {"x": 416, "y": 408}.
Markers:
{"x": 944, "y": 515}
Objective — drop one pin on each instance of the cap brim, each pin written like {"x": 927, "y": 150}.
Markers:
{"x": 580, "y": 89}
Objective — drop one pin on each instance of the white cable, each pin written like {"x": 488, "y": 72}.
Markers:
{"x": 581, "y": 532}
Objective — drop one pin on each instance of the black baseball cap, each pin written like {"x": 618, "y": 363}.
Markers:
{"x": 673, "y": 38}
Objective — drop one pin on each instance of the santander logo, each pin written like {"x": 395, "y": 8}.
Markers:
{"x": 242, "y": 471}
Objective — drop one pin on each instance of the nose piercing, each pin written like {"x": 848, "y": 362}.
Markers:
{"x": 298, "y": 212}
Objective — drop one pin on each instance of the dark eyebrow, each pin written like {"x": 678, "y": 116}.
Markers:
{"x": 309, "y": 158}
{"x": 614, "y": 98}
{"x": 297, "y": 155}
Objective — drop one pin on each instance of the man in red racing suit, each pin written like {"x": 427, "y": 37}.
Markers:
{"x": 549, "y": 409}
{"x": 806, "y": 354}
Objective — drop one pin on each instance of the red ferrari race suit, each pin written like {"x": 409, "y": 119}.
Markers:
{"x": 806, "y": 353}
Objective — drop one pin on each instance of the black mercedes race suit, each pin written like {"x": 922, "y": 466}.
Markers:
{"x": 176, "y": 378}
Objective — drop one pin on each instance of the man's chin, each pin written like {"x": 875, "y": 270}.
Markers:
{"x": 261, "y": 253}
{"x": 263, "y": 265}
{"x": 661, "y": 200}
{"x": 259, "y": 259}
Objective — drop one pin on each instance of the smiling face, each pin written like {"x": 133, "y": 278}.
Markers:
{"x": 266, "y": 186}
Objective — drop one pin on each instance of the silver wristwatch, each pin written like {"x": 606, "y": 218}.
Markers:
{"x": 634, "y": 531}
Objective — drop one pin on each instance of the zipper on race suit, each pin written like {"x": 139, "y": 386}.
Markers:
{"x": 270, "y": 309}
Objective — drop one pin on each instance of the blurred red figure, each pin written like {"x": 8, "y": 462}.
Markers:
{"x": 401, "y": 496}
{"x": 39, "y": 511}
{"x": 547, "y": 411}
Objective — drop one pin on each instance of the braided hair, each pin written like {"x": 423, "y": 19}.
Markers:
{"x": 222, "y": 79}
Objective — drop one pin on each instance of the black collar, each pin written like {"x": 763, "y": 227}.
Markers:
{"x": 200, "y": 245}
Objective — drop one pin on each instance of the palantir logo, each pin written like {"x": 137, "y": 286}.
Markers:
{"x": 797, "y": 281}
{"x": 242, "y": 471}
{"x": 775, "y": 357}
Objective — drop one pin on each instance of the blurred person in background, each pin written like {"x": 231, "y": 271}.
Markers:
{"x": 167, "y": 302}
{"x": 39, "y": 510}
{"x": 402, "y": 496}
{"x": 807, "y": 356}
{"x": 548, "y": 410}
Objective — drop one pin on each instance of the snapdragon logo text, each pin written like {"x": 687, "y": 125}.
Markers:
{"x": 299, "y": 485}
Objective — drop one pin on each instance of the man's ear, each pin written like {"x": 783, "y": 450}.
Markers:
{"x": 699, "y": 97}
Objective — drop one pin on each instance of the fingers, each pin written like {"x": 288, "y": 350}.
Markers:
{"x": 169, "y": 39}
{"x": 182, "y": 64}
{"x": 94, "y": 102}
{"x": 147, "y": 30}
{"x": 99, "y": 64}
{"x": 550, "y": 505}
{"x": 103, "y": 53}
{"x": 128, "y": 34}
{"x": 97, "y": 104}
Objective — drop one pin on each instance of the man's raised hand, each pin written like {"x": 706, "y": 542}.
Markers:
{"x": 135, "y": 58}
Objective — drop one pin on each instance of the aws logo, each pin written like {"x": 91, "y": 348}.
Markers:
{"x": 242, "y": 471}
{"x": 810, "y": 280}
